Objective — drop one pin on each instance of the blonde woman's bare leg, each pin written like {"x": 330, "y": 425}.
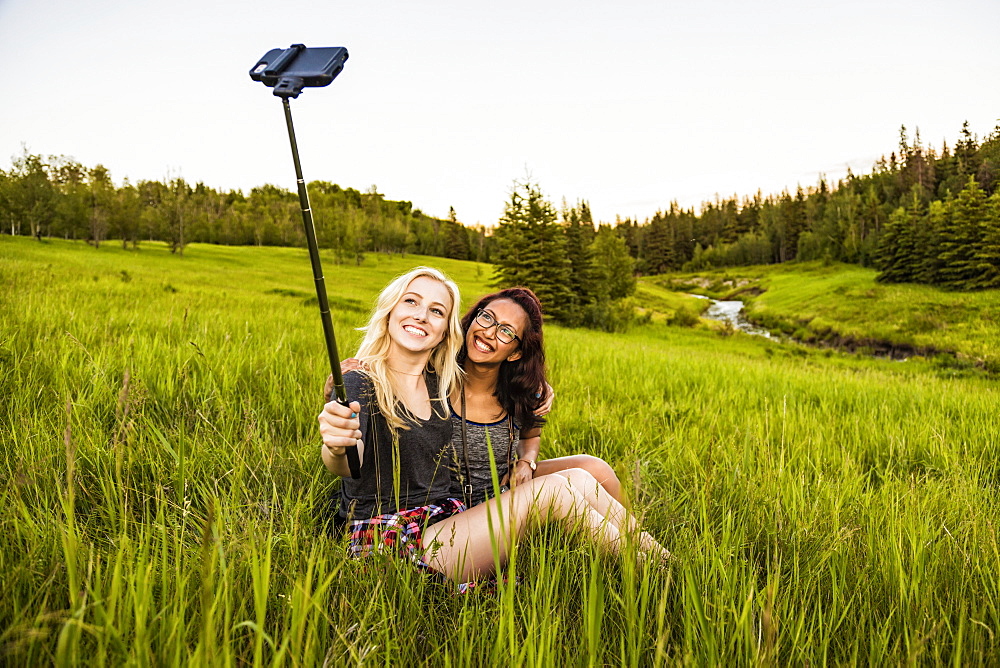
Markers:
{"x": 609, "y": 507}
{"x": 473, "y": 543}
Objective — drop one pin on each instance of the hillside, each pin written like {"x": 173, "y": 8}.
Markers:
{"x": 843, "y": 306}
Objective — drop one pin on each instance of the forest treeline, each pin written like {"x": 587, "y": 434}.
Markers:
{"x": 56, "y": 196}
{"x": 921, "y": 215}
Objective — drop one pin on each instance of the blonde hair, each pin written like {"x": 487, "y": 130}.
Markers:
{"x": 374, "y": 349}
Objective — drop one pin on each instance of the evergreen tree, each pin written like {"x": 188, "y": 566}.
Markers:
{"x": 896, "y": 252}
{"x": 900, "y": 255}
{"x": 749, "y": 215}
{"x": 531, "y": 250}
{"x": 612, "y": 266}
{"x": 966, "y": 153}
{"x": 989, "y": 167}
{"x": 796, "y": 221}
{"x": 987, "y": 254}
{"x": 871, "y": 219}
{"x": 578, "y": 228}
{"x": 931, "y": 266}
{"x": 631, "y": 234}
{"x": 456, "y": 239}
{"x": 658, "y": 246}
{"x": 6, "y": 207}
{"x": 960, "y": 236}
{"x": 682, "y": 225}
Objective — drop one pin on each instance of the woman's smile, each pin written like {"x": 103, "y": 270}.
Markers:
{"x": 419, "y": 321}
{"x": 482, "y": 346}
{"x": 482, "y": 343}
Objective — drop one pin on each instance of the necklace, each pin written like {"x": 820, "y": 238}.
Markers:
{"x": 404, "y": 373}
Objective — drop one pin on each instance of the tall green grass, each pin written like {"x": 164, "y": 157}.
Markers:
{"x": 163, "y": 493}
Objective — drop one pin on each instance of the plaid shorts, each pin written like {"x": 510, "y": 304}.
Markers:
{"x": 400, "y": 532}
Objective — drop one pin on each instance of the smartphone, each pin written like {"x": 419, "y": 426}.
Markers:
{"x": 290, "y": 70}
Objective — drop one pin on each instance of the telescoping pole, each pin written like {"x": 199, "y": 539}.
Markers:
{"x": 324, "y": 305}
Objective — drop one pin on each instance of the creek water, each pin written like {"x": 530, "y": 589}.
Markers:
{"x": 732, "y": 312}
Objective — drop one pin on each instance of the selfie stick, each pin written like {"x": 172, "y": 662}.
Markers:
{"x": 285, "y": 87}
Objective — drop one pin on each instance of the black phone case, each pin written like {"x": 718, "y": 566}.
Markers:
{"x": 316, "y": 66}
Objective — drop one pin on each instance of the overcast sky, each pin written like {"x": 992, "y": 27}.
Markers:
{"x": 628, "y": 104}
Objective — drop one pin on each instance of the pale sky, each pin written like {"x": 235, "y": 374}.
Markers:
{"x": 627, "y": 104}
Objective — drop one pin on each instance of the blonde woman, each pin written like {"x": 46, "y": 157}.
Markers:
{"x": 401, "y": 423}
{"x": 409, "y": 351}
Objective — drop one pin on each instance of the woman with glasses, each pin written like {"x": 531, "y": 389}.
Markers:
{"x": 504, "y": 363}
{"x": 398, "y": 421}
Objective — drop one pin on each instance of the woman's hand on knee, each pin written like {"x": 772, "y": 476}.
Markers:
{"x": 522, "y": 473}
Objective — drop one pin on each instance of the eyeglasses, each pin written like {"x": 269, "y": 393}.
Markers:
{"x": 504, "y": 332}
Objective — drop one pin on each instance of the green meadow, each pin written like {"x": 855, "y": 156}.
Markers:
{"x": 163, "y": 497}
{"x": 841, "y": 304}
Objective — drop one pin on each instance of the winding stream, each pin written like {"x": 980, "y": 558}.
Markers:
{"x": 732, "y": 312}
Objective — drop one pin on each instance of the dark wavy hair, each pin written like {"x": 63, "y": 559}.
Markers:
{"x": 519, "y": 381}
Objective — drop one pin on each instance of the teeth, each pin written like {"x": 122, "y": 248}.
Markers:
{"x": 415, "y": 330}
{"x": 481, "y": 345}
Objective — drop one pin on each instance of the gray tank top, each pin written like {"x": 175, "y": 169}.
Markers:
{"x": 480, "y": 436}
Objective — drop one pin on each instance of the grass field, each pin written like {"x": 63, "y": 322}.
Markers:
{"x": 162, "y": 485}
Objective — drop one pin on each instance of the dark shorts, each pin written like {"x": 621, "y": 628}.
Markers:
{"x": 400, "y": 532}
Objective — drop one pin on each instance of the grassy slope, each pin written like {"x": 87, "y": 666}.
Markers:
{"x": 813, "y": 301}
{"x": 664, "y": 304}
{"x": 823, "y": 507}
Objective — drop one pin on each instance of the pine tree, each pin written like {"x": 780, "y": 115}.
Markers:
{"x": 987, "y": 255}
{"x": 899, "y": 255}
{"x": 659, "y": 247}
{"x": 895, "y": 255}
{"x": 612, "y": 265}
{"x": 578, "y": 228}
{"x": 682, "y": 232}
{"x": 791, "y": 223}
{"x": 531, "y": 250}
{"x": 960, "y": 236}
{"x": 931, "y": 265}
{"x": 456, "y": 244}
{"x": 456, "y": 241}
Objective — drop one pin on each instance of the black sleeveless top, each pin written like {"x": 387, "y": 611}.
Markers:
{"x": 413, "y": 469}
